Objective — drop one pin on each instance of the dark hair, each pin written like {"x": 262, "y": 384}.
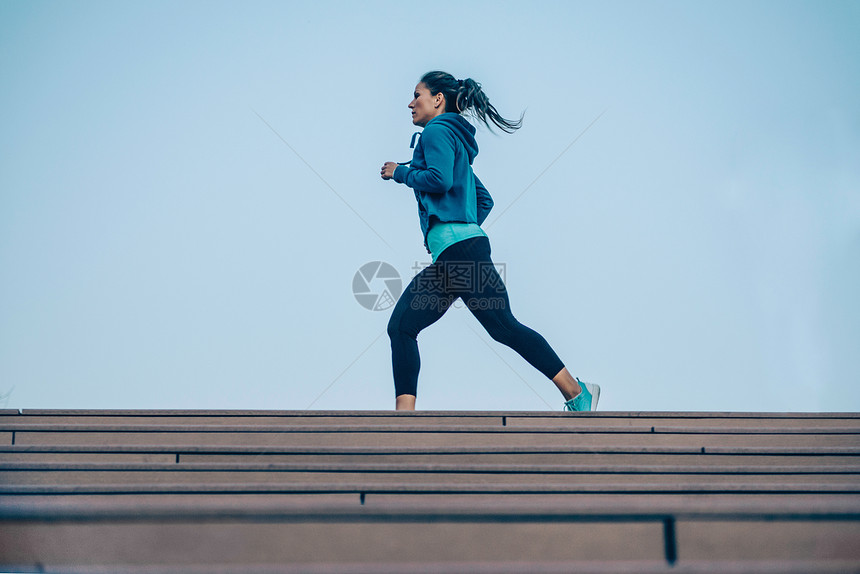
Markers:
{"x": 466, "y": 95}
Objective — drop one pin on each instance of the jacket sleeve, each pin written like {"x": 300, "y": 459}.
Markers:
{"x": 438, "y": 143}
{"x": 485, "y": 202}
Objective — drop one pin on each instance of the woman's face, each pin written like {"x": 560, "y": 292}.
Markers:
{"x": 424, "y": 106}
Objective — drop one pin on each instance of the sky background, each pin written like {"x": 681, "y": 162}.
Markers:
{"x": 187, "y": 190}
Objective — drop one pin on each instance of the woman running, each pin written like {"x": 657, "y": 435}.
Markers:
{"x": 452, "y": 204}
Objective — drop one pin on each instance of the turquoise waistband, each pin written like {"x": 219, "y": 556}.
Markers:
{"x": 443, "y": 235}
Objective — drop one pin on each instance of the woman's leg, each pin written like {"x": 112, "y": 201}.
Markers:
{"x": 422, "y": 303}
{"x": 489, "y": 303}
{"x": 404, "y": 402}
{"x": 567, "y": 384}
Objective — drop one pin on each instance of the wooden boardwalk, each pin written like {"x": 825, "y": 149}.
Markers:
{"x": 458, "y": 492}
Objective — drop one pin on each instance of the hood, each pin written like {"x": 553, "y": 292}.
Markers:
{"x": 461, "y": 128}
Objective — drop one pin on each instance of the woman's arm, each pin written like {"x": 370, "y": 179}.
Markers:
{"x": 485, "y": 202}
{"x": 438, "y": 143}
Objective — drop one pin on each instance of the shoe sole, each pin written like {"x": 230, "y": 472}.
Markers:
{"x": 595, "y": 394}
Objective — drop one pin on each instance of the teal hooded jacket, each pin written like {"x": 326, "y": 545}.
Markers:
{"x": 441, "y": 175}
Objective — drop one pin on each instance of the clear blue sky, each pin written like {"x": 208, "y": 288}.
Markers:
{"x": 188, "y": 188}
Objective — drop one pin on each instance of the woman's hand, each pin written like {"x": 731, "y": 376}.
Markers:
{"x": 387, "y": 170}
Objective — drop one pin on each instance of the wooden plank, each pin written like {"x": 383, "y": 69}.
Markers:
{"x": 237, "y": 413}
{"x": 429, "y": 413}
{"x": 278, "y": 505}
{"x": 57, "y": 457}
{"x": 677, "y": 415}
{"x": 572, "y": 427}
{"x": 433, "y": 467}
{"x": 761, "y": 540}
{"x": 96, "y": 420}
{"x": 434, "y": 439}
{"x": 745, "y": 450}
{"x": 368, "y": 487}
{"x": 373, "y": 450}
{"x": 6, "y": 438}
{"x": 19, "y": 426}
{"x": 58, "y": 543}
{"x": 471, "y": 419}
{"x": 170, "y": 505}
{"x": 487, "y": 479}
{"x": 711, "y": 422}
{"x": 735, "y": 505}
{"x": 521, "y": 455}
{"x": 485, "y": 567}
{"x": 752, "y": 429}
{"x": 703, "y": 460}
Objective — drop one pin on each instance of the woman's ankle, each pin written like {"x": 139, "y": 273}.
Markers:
{"x": 404, "y": 402}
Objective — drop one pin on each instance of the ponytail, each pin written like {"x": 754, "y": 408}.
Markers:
{"x": 463, "y": 96}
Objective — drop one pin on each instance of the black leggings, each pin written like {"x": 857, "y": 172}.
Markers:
{"x": 464, "y": 270}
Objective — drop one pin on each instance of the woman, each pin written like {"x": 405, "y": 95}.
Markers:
{"x": 452, "y": 204}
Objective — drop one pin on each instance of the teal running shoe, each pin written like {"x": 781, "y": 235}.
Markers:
{"x": 586, "y": 400}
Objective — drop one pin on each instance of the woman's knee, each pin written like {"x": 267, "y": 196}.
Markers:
{"x": 400, "y": 326}
{"x": 503, "y": 332}
{"x": 500, "y": 324}
{"x": 393, "y": 326}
